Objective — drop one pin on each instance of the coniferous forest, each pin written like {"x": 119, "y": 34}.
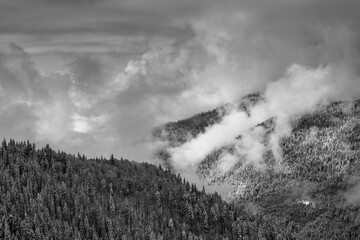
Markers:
{"x": 54, "y": 195}
{"x": 314, "y": 193}
{"x": 120, "y": 119}
{"x": 47, "y": 194}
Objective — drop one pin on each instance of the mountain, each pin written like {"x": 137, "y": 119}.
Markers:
{"x": 54, "y": 195}
{"x": 177, "y": 133}
{"x": 314, "y": 191}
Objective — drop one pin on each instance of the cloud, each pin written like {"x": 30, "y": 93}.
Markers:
{"x": 53, "y": 123}
{"x": 18, "y": 92}
{"x": 87, "y": 74}
{"x": 132, "y": 65}
{"x": 217, "y": 136}
{"x": 298, "y": 92}
{"x": 297, "y": 62}
{"x": 88, "y": 26}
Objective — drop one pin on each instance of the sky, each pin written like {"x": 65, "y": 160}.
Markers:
{"x": 95, "y": 76}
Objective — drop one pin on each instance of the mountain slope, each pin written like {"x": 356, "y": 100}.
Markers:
{"x": 177, "y": 133}
{"x": 54, "y": 195}
{"x": 313, "y": 192}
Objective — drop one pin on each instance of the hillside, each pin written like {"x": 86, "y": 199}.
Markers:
{"x": 313, "y": 193}
{"x": 53, "y": 195}
{"x": 182, "y": 131}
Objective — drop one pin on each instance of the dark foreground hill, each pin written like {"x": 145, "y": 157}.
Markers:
{"x": 54, "y": 195}
{"x": 314, "y": 193}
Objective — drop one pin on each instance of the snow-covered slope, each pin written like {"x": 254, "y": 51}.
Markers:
{"x": 317, "y": 173}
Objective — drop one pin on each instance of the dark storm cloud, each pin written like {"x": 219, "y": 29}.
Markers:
{"x": 136, "y": 27}
{"x": 51, "y": 2}
{"x": 34, "y": 21}
{"x": 105, "y": 17}
{"x": 70, "y": 2}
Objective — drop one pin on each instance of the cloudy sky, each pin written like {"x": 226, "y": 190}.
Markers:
{"x": 94, "y": 76}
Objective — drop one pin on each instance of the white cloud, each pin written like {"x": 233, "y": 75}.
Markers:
{"x": 298, "y": 92}
{"x": 80, "y": 124}
{"x": 193, "y": 152}
{"x": 53, "y": 123}
{"x": 226, "y": 162}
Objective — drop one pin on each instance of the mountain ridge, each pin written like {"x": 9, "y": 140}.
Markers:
{"x": 318, "y": 172}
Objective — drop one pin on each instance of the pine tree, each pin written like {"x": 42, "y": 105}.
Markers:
{"x": 7, "y": 233}
{"x": 158, "y": 198}
{"x": 171, "y": 224}
{"x": 111, "y": 200}
{"x": 205, "y": 221}
{"x": 152, "y": 236}
{"x": 261, "y": 234}
{"x": 110, "y": 229}
{"x": 112, "y": 159}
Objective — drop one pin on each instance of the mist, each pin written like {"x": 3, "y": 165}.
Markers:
{"x": 86, "y": 80}
{"x": 298, "y": 92}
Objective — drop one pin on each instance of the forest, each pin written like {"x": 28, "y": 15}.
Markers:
{"x": 48, "y": 194}
{"x": 314, "y": 192}
{"x": 54, "y": 195}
